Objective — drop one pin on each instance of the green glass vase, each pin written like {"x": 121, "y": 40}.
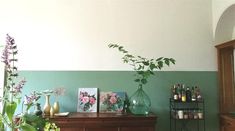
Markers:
{"x": 140, "y": 102}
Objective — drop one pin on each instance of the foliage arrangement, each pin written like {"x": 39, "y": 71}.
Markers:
{"x": 12, "y": 94}
{"x": 87, "y": 100}
{"x": 144, "y": 67}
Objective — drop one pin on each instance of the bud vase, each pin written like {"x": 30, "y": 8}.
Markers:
{"x": 37, "y": 110}
{"x": 56, "y": 107}
{"x": 47, "y": 106}
{"x": 139, "y": 102}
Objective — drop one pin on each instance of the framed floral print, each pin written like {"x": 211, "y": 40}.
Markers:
{"x": 112, "y": 102}
{"x": 87, "y": 100}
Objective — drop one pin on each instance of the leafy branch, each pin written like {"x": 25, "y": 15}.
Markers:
{"x": 144, "y": 67}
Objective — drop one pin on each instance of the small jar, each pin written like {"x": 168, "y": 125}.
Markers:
{"x": 181, "y": 114}
{"x": 190, "y": 114}
{"x": 195, "y": 114}
{"x": 185, "y": 114}
{"x": 200, "y": 114}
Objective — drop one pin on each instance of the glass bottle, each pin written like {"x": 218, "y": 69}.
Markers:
{"x": 175, "y": 93}
{"x": 188, "y": 94}
{"x": 193, "y": 94}
{"x": 38, "y": 111}
{"x": 140, "y": 102}
{"x": 183, "y": 97}
{"x": 179, "y": 92}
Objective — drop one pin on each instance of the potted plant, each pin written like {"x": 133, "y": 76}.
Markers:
{"x": 139, "y": 102}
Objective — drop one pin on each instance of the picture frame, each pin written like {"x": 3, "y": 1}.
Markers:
{"x": 87, "y": 99}
{"x": 112, "y": 102}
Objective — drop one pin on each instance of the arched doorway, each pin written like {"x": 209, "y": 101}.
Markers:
{"x": 225, "y": 29}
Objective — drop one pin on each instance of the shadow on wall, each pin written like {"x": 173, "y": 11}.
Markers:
{"x": 225, "y": 30}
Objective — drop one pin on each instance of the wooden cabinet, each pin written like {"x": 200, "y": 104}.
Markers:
{"x": 227, "y": 123}
{"x": 225, "y": 54}
{"x": 105, "y": 122}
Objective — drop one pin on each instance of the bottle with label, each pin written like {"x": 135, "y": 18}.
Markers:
{"x": 183, "y": 97}
{"x": 175, "y": 95}
{"x": 188, "y": 95}
{"x": 194, "y": 98}
{"x": 179, "y": 92}
{"x": 198, "y": 94}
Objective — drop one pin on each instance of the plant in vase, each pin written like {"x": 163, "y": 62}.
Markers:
{"x": 12, "y": 94}
{"x": 139, "y": 102}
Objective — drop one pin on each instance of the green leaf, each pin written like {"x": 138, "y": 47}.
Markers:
{"x": 152, "y": 66}
{"x": 139, "y": 67}
{"x": 160, "y": 64}
{"x": 146, "y": 63}
{"x": 160, "y": 58}
{"x": 143, "y": 81}
{"x": 1, "y": 125}
{"x": 172, "y": 60}
{"x": 129, "y": 56}
{"x": 137, "y": 80}
{"x": 27, "y": 127}
{"x": 120, "y": 48}
{"x": 151, "y": 72}
{"x": 140, "y": 72}
{"x": 10, "y": 109}
{"x": 167, "y": 61}
{"x": 35, "y": 121}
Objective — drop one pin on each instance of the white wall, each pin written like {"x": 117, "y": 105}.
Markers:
{"x": 223, "y": 20}
{"x": 218, "y": 8}
{"x": 225, "y": 26}
{"x": 74, "y": 34}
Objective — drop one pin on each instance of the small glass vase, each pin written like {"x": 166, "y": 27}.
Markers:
{"x": 37, "y": 110}
{"x": 47, "y": 106}
{"x": 140, "y": 102}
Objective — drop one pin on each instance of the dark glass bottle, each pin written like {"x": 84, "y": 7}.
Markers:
{"x": 188, "y": 95}
{"x": 179, "y": 92}
{"x": 176, "y": 94}
{"x": 38, "y": 111}
{"x": 194, "y": 97}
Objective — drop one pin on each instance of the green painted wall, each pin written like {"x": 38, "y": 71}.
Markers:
{"x": 158, "y": 88}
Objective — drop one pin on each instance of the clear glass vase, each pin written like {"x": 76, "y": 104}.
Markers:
{"x": 139, "y": 102}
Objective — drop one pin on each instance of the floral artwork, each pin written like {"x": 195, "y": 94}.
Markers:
{"x": 112, "y": 102}
{"x": 87, "y": 100}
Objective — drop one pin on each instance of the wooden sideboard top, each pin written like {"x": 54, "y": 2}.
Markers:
{"x": 77, "y": 115}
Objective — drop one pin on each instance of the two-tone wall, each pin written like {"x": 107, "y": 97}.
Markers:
{"x": 64, "y": 43}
